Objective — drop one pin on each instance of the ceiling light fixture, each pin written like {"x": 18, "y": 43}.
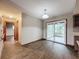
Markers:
{"x": 45, "y": 16}
{"x": 10, "y": 16}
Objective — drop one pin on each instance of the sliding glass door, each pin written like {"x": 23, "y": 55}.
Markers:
{"x": 56, "y": 31}
{"x": 50, "y": 32}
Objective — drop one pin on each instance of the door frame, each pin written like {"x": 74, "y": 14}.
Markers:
{"x": 15, "y": 23}
{"x": 50, "y": 22}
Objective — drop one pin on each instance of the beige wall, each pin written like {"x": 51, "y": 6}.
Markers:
{"x": 9, "y": 9}
{"x": 31, "y": 29}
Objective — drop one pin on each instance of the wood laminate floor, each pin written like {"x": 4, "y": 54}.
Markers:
{"x": 38, "y": 50}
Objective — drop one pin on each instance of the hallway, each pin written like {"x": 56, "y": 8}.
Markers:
{"x": 38, "y": 50}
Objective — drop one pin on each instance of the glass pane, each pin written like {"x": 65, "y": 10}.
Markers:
{"x": 50, "y": 32}
{"x": 60, "y": 32}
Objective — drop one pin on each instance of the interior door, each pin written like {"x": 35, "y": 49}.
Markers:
{"x": 16, "y": 31}
{"x": 4, "y": 30}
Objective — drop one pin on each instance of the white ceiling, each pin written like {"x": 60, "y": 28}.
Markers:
{"x": 36, "y": 8}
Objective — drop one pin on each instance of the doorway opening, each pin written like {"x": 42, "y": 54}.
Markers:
{"x": 56, "y": 31}
{"x": 10, "y": 30}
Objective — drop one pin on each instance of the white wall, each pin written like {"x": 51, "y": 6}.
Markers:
{"x": 31, "y": 29}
